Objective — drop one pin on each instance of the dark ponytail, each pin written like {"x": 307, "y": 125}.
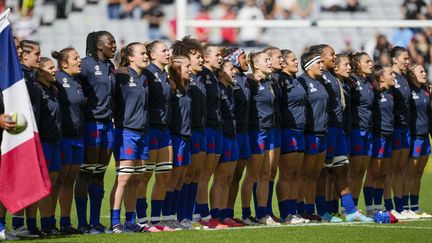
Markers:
{"x": 127, "y": 52}
{"x": 62, "y": 56}
{"x": 93, "y": 39}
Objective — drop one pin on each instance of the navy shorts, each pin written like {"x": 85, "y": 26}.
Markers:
{"x": 261, "y": 141}
{"x": 382, "y": 147}
{"x": 159, "y": 138}
{"x": 99, "y": 134}
{"x": 277, "y": 137}
{"x": 130, "y": 145}
{"x": 72, "y": 151}
{"x": 401, "y": 138}
{"x": 214, "y": 141}
{"x": 52, "y": 156}
{"x": 229, "y": 150}
{"x": 336, "y": 142}
{"x": 315, "y": 144}
{"x": 181, "y": 148}
{"x": 199, "y": 142}
{"x": 348, "y": 142}
{"x": 361, "y": 143}
{"x": 292, "y": 141}
{"x": 420, "y": 146}
{"x": 243, "y": 145}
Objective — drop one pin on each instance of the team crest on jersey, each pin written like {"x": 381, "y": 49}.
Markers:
{"x": 289, "y": 85}
{"x": 326, "y": 80}
{"x": 208, "y": 80}
{"x": 98, "y": 72}
{"x": 358, "y": 86}
{"x": 191, "y": 81}
{"x": 312, "y": 88}
{"x": 383, "y": 98}
{"x": 224, "y": 96}
{"x": 157, "y": 79}
{"x": 65, "y": 83}
{"x": 414, "y": 95}
{"x": 235, "y": 85}
{"x": 396, "y": 84}
{"x": 132, "y": 82}
{"x": 179, "y": 93}
{"x": 260, "y": 87}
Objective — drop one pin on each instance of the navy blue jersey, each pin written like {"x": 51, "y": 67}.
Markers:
{"x": 242, "y": 101}
{"x": 198, "y": 95}
{"x": 97, "y": 79}
{"x": 293, "y": 102}
{"x": 72, "y": 104}
{"x": 228, "y": 111}
{"x": 316, "y": 105}
{"x": 420, "y": 111}
{"x": 34, "y": 91}
{"x": 181, "y": 113}
{"x": 331, "y": 84}
{"x": 50, "y": 127}
{"x": 131, "y": 101}
{"x": 383, "y": 118}
{"x": 402, "y": 94}
{"x": 261, "y": 113}
{"x": 362, "y": 96}
{"x": 347, "y": 113}
{"x": 278, "y": 96}
{"x": 2, "y": 110}
{"x": 214, "y": 118}
{"x": 159, "y": 96}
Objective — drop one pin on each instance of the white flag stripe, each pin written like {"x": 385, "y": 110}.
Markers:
{"x": 4, "y": 22}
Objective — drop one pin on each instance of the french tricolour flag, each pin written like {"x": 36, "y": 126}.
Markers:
{"x": 24, "y": 177}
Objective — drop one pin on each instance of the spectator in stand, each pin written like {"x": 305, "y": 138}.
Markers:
{"x": 354, "y": 6}
{"x": 202, "y": 34}
{"x": 131, "y": 9}
{"x": 250, "y": 36}
{"x": 288, "y": 9}
{"x": 155, "y": 18}
{"x": 428, "y": 14}
{"x": 229, "y": 35}
{"x": 402, "y": 37}
{"x": 420, "y": 49}
{"x": 381, "y": 48}
{"x": 114, "y": 9}
{"x": 332, "y": 5}
{"x": 268, "y": 8}
{"x": 2, "y": 5}
{"x": 413, "y": 9}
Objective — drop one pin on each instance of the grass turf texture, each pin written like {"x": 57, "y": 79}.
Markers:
{"x": 419, "y": 231}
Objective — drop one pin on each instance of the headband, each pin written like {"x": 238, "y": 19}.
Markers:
{"x": 233, "y": 57}
{"x": 312, "y": 62}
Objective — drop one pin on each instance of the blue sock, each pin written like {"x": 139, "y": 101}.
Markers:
{"x": 2, "y": 226}
{"x": 335, "y": 206}
{"x": 181, "y": 204}
{"x": 214, "y": 212}
{"x": 167, "y": 203}
{"x": 65, "y": 221}
{"x": 261, "y": 212}
{"x": 81, "y": 210}
{"x": 45, "y": 223}
{"x": 301, "y": 207}
{"x": 31, "y": 223}
{"x": 130, "y": 217}
{"x": 174, "y": 203}
{"x": 405, "y": 199}
{"x": 254, "y": 195}
{"x": 348, "y": 203}
{"x": 292, "y": 206}
{"x": 329, "y": 206}
{"x": 270, "y": 199}
{"x": 320, "y": 204}
{"x": 309, "y": 208}
{"x": 17, "y": 221}
{"x": 398, "y": 204}
{"x": 388, "y": 204}
{"x": 414, "y": 202}
{"x": 368, "y": 193}
{"x": 53, "y": 221}
{"x": 355, "y": 201}
{"x": 115, "y": 217}
{"x": 223, "y": 214}
{"x": 203, "y": 210}
{"x": 96, "y": 194}
{"x": 246, "y": 212}
{"x": 230, "y": 213}
{"x": 190, "y": 201}
{"x": 141, "y": 210}
{"x": 156, "y": 209}
{"x": 284, "y": 208}
{"x": 378, "y": 194}
{"x": 3, "y": 220}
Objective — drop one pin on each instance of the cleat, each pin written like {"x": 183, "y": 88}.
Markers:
{"x": 69, "y": 230}
{"x": 162, "y": 227}
{"x": 84, "y": 229}
{"x": 6, "y": 236}
{"x": 410, "y": 214}
{"x": 132, "y": 227}
{"x": 22, "y": 232}
{"x": 400, "y": 216}
{"x": 102, "y": 229}
{"x": 149, "y": 229}
{"x": 51, "y": 231}
{"x": 357, "y": 217}
{"x": 251, "y": 221}
{"x": 314, "y": 218}
{"x": 292, "y": 219}
{"x": 331, "y": 218}
{"x": 268, "y": 220}
{"x": 231, "y": 222}
{"x": 120, "y": 229}
{"x": 174, "y": 224}
{"x": 213, "y": 224}
{"x": 276, "y": 219}
{"x": 306, "y": 221}
{"x": 423, "y": 214}
{"x": 370, "y": 213}
{"x": 186, "y": 224}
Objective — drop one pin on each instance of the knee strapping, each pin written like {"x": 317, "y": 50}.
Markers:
{"x": 163, "y": 167}
{"x": 88, "y": 168}
{"x": 140, "y": 169}
{"x": 100, "y": 168}
{"x": 125, "y": 170}
{"x": 150, "y": 167}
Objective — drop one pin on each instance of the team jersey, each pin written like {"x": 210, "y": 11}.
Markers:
{"x": 34, "y": 91}
{"x": 261, "y": 113}
{"x": 131, "y": 101}
{"x": 420, "y": 111}
{"x": 50, "y": 127}
{"x": 293, "y": 102}
{"x": 159, "y": 96}
{"x": 72, "y": 104}
{"x": 2, "y": 110}
{"x": 97, "y": 79}
{"x": 242, "y": 102}
{"x": 316, "y": 105}
{"x": 362, "y": 97}
{"x": 278, "y": 96}
{"x": 228, "y": 111}
{"x": 198, "y": 96}
{"x": 383, "y": 118}
{"x": 181, "y": 113}
{"x": 214, "y": 119}
{"x": 347, "y": 116}
{"x": 331, "y": 84}
{"x": 402, "y": 93}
